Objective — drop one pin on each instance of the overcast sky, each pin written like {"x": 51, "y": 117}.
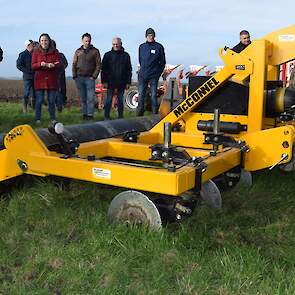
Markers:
{"x": 191, "y": 31}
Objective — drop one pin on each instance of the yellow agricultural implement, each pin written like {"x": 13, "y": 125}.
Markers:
{"x": 237, "y": 121}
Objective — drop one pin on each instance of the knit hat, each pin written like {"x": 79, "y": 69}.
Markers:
{"x": 150, "y": 31}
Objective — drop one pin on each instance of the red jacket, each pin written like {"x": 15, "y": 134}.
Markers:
{"x": 46, "y": 78}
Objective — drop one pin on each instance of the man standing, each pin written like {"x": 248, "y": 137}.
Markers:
{"x": 116, "y": 75}
{"x": 152, "y": 63}
{"x": 86, "y": 68}
{"x": 244, "y": 42}
{"x": 24, "y": 64}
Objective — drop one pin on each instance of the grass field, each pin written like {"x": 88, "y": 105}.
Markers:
{"x": 58, "y": 241}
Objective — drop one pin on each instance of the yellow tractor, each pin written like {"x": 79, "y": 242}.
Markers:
{"x": 237, "y": 121}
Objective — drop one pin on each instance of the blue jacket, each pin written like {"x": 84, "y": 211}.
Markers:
{"x": 151, "y": 59}
{"x": 24, "y": 64}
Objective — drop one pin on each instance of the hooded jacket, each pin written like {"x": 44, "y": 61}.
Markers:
{"x": 46, "y": 78}
{"x": 116, "y": 69}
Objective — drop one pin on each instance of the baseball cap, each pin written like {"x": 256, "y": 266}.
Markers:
{"x": 28, "y": 42}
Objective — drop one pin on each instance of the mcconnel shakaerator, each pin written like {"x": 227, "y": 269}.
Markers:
{"x": 239, "y": 120}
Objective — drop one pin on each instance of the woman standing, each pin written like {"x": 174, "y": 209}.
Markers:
{"x": 45, "y": 63}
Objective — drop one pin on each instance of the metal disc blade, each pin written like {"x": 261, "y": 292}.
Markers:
{"x": 290, "y": 166}
{"x": 132, "y": 207}
{"x": 210, "y": 194}
{"x": 246, "y": 178}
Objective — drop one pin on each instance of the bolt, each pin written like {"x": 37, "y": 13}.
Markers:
{"x": 165, "y": 154}
{"x": 178, "y": 216}
{"x": 155, "y": 153}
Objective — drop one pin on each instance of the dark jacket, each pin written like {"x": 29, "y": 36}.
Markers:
{"x": 239, "y": 47}
{"x": 46, "y": 78}
{"x": 1, "y": 54}
{"x": 151, "y": 59}
{"x": 64, "y": 62}
{"x": 116, "y": 69}
{"x": 86, "y": 62}
{"x": 24, "y": 64}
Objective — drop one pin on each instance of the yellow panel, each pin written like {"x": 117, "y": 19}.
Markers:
{"x": 222, "y": 162}
{"x": 147, "y": 179}
{"x": 282, "y": 45}
{"x": 8, "y": 169}
{"x": 266, "y": 147}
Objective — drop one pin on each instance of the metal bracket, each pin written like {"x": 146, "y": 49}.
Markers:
{"x": 131, "y": 136}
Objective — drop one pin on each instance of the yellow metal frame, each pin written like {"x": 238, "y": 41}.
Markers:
{"x": 25, "y": 153}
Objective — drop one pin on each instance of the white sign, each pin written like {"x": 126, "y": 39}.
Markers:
{"x": 286, "y": 38}
{"x": 101, "y": 173}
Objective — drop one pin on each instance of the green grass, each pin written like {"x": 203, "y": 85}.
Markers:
{"x": 11, "y": 115}
{"x": 56, "y": 241}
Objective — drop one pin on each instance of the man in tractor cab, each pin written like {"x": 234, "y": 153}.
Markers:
{"x": 244, "y": 41}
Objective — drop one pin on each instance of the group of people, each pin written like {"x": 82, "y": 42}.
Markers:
{"x": 43, "y": 68}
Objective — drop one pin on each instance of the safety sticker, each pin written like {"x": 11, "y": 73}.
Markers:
{"x": 101, "y": 173}
{"x": 286, "y": 38}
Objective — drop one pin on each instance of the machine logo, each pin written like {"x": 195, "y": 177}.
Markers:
{"x": 200, "y": 93}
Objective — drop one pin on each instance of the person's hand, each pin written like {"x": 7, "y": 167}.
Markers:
{"x": 127, "y": 86}
{"x": 91, "y": 78}
{"x": 43, "y": 64}
{"x": 50, "y": 65}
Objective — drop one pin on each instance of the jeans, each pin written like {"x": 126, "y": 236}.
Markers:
{"x": 28, "y": 90}
{"x": 59, "y": 100}
{"x": 40, "y": 94}
{"x": 86, "y": 88}
{"x": 63, "y": 88}
{"x": 142, "y": 86}
{"x": 108, "y": 103}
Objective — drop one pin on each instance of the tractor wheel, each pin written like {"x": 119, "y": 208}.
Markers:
{"x": 134, "y": 208}
{"x": 131, "y": 99}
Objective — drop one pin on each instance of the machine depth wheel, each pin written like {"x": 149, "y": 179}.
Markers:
{"x": 135, "y": 208}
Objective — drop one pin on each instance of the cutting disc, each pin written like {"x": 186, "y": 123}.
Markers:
{"x": 133, "y": 207}
{"x": 210, "y": 194}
